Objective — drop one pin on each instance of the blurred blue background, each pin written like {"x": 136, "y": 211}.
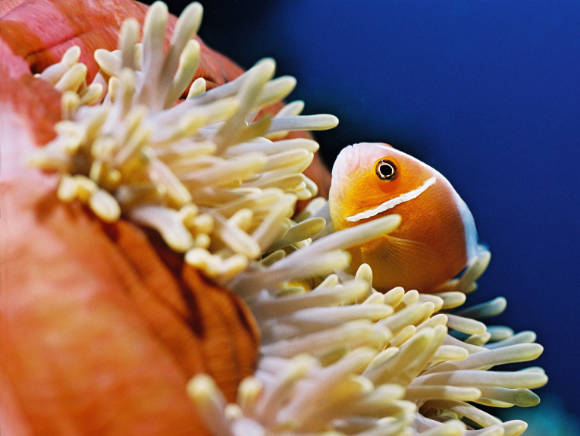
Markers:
{"x": 488, "y": 93}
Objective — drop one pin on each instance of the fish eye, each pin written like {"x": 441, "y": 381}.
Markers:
{"x": 386, "y": 170}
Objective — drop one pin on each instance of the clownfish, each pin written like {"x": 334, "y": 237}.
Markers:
{"x": 437, "y": 237}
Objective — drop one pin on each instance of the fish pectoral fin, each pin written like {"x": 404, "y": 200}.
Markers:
{"x": 407, "y": 252}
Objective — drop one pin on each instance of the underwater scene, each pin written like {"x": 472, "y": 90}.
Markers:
{"x": 289, "y": 217}
{"x": 478, "y": 90}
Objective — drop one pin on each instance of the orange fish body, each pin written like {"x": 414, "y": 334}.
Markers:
{"x": 437, "y": 236}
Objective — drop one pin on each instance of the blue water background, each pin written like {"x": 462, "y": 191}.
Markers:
{"x": 487, "y": 92}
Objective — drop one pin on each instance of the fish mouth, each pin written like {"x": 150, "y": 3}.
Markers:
{"x": 389, "y": 204}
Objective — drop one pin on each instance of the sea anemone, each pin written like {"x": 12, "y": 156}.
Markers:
{"x": 197, "y": 172}
{"x": 345, "y": 357}
{"x": 213, "y": 176}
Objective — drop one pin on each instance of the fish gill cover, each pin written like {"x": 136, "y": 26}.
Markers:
{"x": 218, "y": 184}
